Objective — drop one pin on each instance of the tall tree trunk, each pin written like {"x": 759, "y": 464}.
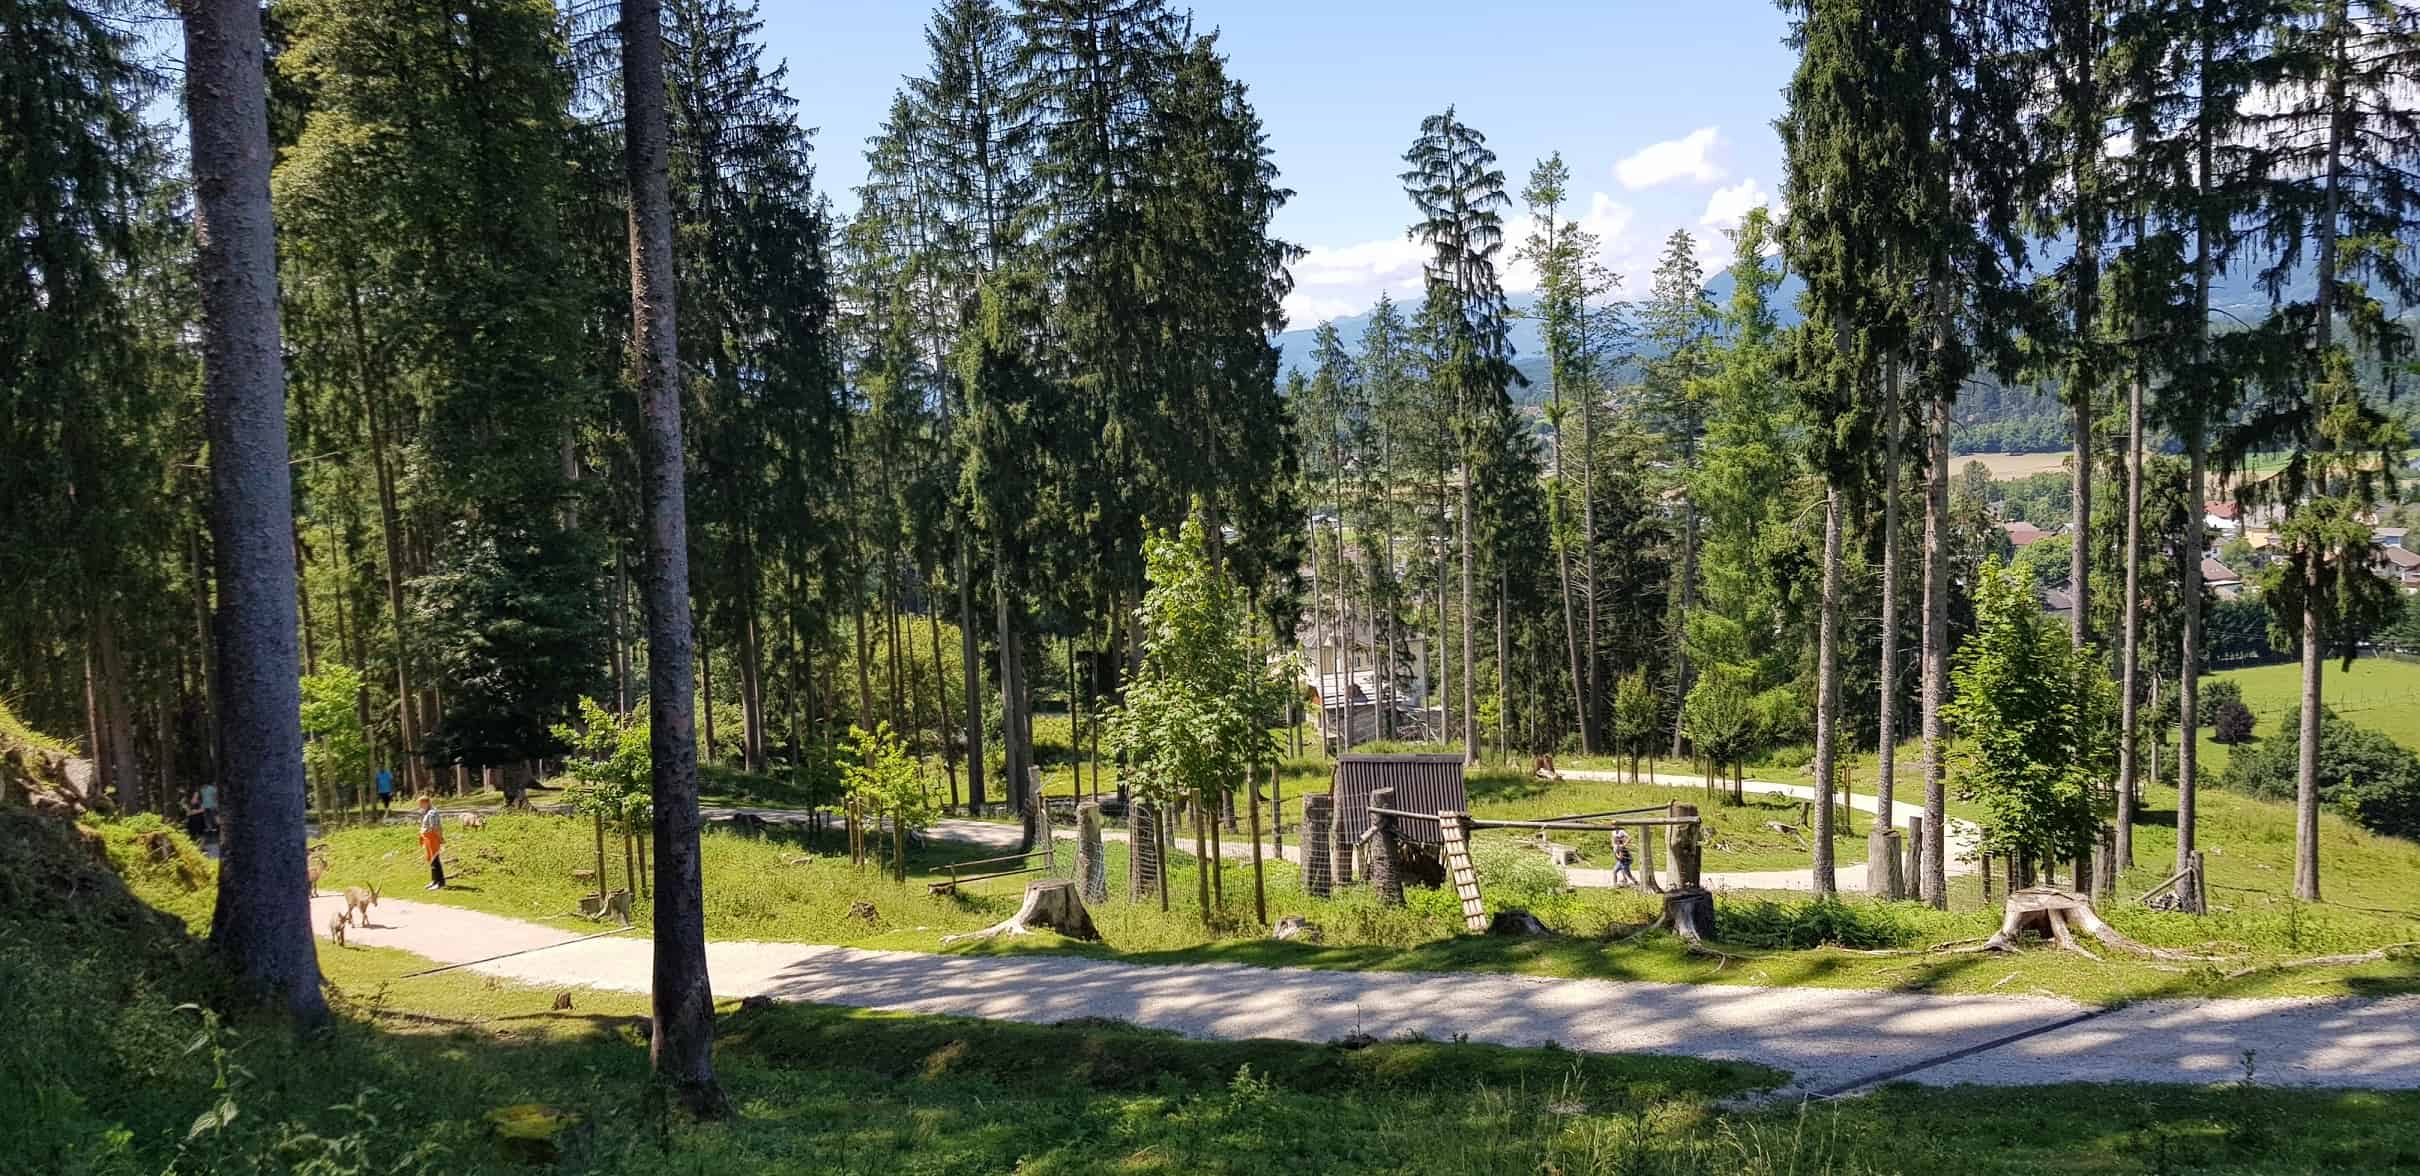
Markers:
{"x": 751, "y": 674}
{"x": 1934, "y": 864}
{"x": 2079, "y": 555}
{"x": 390, "y": 525}
{"x": 621, "y": 633}
{"x": 1014, "y": 750}
{"x": 1470, "y": 649}
{"x": 2129, "y": 783}
{"x": 2197, "y": 446}
{"x": 705, "y": 699}
{"x": 261, "y": 927}
{"x": 1827, "y": 696}
{"x": 941, "y": 694}
{"x": 1680, "y": 628}
{"x": 970, "y": 666}
{"x": 682, "y": 1050}
{"x": 1886, "y": 741}
{"x": 117, "y": 727}
{"x": 2306, "y": 773}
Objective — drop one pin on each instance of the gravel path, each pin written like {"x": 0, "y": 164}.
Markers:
{"x": 1830, "y": 1040}
{"x": 1961, "y": 838}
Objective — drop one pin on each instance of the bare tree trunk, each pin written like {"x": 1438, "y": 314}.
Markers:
{"x": 2079, "y": 556}
{"x": 751, "y": 669}
{"x": 971, "y": 669}
{"x": 682, "y": 1050}
{"x": 1827, "y": 696}
{"x": 2306, "y": 781}
{"x": 1886, "y": 741}
{"x": 705, "y": 696}
{"x": 2129, "y": 783}
{"x": 1688, "y": 604}
{"x": 941, "y": 693}
{"x": 117, "y": 725}
{"x": 1470, "y": 649}
{"x": 261, "y": 927}
{"x": 1936, "y": 649}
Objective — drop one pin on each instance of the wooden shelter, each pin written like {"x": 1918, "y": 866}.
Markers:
{"x": 1422, "y": 784}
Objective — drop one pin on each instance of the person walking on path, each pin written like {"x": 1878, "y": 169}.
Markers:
{"x": 195, "y": 825}
{"x": 432, "y": 842}
{"x": 210, "y": 810}
{"x": 1622, "y": 875}
{"x": 386, "y": 791}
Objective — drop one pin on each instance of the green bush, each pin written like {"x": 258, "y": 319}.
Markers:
{"x": 1513, "y": 878}
{"x": 2216, "y": 695}
{"x": 1805, "y": 924}
{"x": 2232, "y": 722}
{"x": 2369, "y": 777}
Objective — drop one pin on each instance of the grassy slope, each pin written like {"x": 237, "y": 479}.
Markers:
{"x": 113, "y": 1062}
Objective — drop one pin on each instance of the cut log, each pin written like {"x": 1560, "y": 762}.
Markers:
{"x": 1054, "y": 906}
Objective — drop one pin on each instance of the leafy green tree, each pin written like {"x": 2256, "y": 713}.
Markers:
{"x": 2036, "y": 714}
{"x": 1637, "y": 718}
{"x": 1194, "y": 725}
{"x": 2364, "y": 774}
{"x": 336, "y": 749}
{"x": 890, "y": 786}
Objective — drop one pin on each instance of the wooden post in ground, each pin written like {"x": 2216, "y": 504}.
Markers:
{"x": 1689, "y": 908}
{"x": 1318, "y": 876}
{"x": 1092, "y": 871}
{"x": 2201, "y": 883}
{"x": 1913, "y": 861}
{"x": 1983, "y": 871}
{"x": 1385, "y": 880}
{"x": 2104, "y": 874}
{"x": 1882, "y": 877}
{"x": 600, "y": 857}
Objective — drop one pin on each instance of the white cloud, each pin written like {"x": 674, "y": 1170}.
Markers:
{"x": 1307, "y": 310}
{"x": 1689, "y": 157}
{"x": 1390, "y": 260}
{"x": 1728, "y": 206}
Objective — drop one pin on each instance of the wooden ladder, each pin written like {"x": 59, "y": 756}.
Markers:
{"x": 1456, "y": 827}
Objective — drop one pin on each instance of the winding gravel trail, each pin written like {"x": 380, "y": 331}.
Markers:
{"x": 1832, "y": 1040}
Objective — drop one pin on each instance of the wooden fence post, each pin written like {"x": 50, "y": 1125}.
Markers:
{"x": 2104, "y": 873}
{"x": 1686, "y": 854}
{"x": 1384, "y": 878}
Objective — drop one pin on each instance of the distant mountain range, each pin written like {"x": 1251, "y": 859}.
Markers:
{"x": 2235, "y": 298}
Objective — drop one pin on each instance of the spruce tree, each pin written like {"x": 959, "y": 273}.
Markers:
{"x": 1458, "y": 193}
{"x": 2339, "y": 157}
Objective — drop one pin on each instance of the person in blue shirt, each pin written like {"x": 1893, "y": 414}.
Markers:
{"x": 386, "y": 789}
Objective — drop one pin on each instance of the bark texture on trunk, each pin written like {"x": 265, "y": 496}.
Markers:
{"x": 261, "y": 927}
{"x": 1827, "y": 695}
{"x": 682, "y": 1050}
{"x": 2131, "y": 610}
{"x": 1886, "y": 741}
{"x": 1935, "y": 882}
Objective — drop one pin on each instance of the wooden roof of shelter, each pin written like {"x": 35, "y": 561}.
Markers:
{"x": 1422, "y": 784}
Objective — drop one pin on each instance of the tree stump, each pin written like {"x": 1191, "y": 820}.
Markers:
{"x": 2057, "y": 916}
{"x": 1690, "y": 913}
{"x": 1092, "y": 870}
{"x": 1883, "y": 878}
{"x": 1520, "y": 924}
{"x": 1054, "y": 906}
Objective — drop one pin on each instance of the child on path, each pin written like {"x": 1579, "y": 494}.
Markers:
{"x": 432, "y": 842}
{"x": 386, "y": 791}
{"x": 1622, "y": 875}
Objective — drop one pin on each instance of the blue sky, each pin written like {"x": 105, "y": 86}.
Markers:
{"x": 1664, "y": 111}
